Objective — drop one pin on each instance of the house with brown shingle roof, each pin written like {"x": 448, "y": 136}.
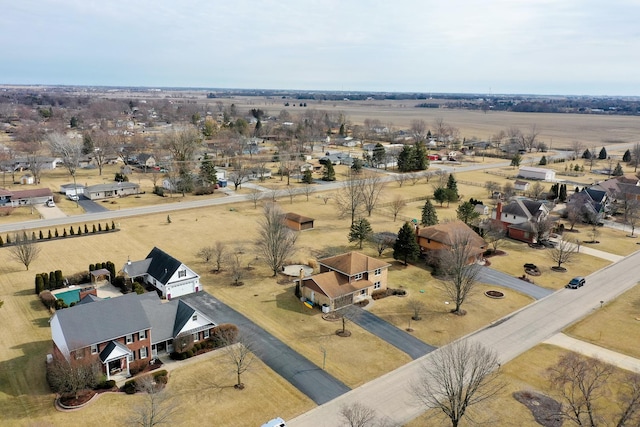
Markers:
{"x": 344, "y": 279}
{"x": 444, "y": 235}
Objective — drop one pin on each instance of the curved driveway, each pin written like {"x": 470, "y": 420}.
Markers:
{"x": 494, "y": 277}
{"x": 316, "y": 383}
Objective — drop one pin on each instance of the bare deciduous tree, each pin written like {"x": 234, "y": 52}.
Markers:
{"x": 236, "y": 269}
{"x": 358, "y": 415}
{"x": 72, "y": 376}
{"x": 633, "y": 215}
{"x": 238, "y": 176}
{"x": 456, "y": 377}
{"x": 371, "y": 187}
{"x": 396, "y": 205}
{"x": 383, "y": 241}
{"x": 457, "y": 262}
{"x": 24, "y": 250}
{"x": 158, "y": 406}
{"x": 103, "y": 147}
{"x": 239, "y": 352}
{"x": 495, "y": 234}
{"x": 276, "y": 241}
{"x": 573, "y": 214}
{"x": 401, "y": 178}
{"x": 69, "y": 150}
{"x": 536, "y": 190}
{"x": 348, "y": 197}
{"x": 219, "y": 254}
{"x": 205, "y": 253}
{"x": 255, "y": 195}
{"x": 307, "y": 189}
{"x": 583, "y": 385}
{"x": 182, "y": 144}
{"x": 417, "y": 307}
{"x": 577, "y": 148}
{"x": 635, "y": 156}
{"x": 562, "y": 252}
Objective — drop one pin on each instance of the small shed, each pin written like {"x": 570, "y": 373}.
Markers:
{"x": 481, "y": 209}
{"x": 298, "y": 222}
{"x": 520, "y": 185}
{"x": 26, "y": 179}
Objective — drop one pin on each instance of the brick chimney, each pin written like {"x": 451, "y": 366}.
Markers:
{"x": 499, "y": 211}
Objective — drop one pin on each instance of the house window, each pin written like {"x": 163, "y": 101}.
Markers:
{"x": 378, "y": 271}
{"x": 129, "y": 338}
{"x": 206, "y": 334}
{"x": 131, "y": 356}
{"x": 182, "y": 273}
{"x": 357, "y": 276}
{"x": 142, "y": 335}
{"x": 143, "y": 353}
{"x": 194, "y": 317}
{"x": 363, "y": 292}
{"x": 94, "y": 348}
{"x": 196, "y": 336}
{"x": 376, "y": 285}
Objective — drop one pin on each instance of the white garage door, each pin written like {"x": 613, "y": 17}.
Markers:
{"x": 179, "y": 290}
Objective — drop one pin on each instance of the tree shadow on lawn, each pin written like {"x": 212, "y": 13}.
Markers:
{"x": 28, "y": 366}
{"x": 24, "y": 293}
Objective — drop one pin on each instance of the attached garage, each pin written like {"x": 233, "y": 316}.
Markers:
{"x": 178, "y": 289}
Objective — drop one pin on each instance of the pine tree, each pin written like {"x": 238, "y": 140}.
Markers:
{"x": 562, "y": 193}
{"x": 86, "y": 229}
{"x": 49, "y": 235}
{"x": 405, "y": 159}
{"x": 543, "y": 161}
{"x": 1, "y": 241}
{"x": 56, "y": 233}
{"x": 626, "y": 157}
{"x": 208, "y": 171}
{"x": 603, "y": 154}
{"x": 329, "y": 174}
{"x": 429, "y": 215}
{"x": 467, "y": 212}
{"x": 307, "y": 177}
{"x": 113, "y": 225}
{"x": 420, "y": 161}
{"x": 618, "y": 170}
{"x": 587, "y": 154}
{"x": 452, "y": 185}
{"x": 440, "y": 195}
{"x": 360, "y": 231}
{"x": 516, "y": 160}
{"x": 41, "y": 235}
{"x": 406, "y": 246}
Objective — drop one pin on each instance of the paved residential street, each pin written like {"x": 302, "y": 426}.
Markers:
{"x": 317, "y": 384}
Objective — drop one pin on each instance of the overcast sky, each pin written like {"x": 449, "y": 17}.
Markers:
{"x": 480, "y": 46}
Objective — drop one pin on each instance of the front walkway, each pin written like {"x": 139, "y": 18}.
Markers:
{"x": 613, "y": 358}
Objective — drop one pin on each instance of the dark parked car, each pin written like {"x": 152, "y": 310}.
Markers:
{"x": 576, "y": 283}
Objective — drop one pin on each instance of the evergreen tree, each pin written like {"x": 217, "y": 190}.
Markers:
{"x": 543, "y": 161}
{"x": 406, "y": 246}
{"x": 87, "y": 144}
{"x": 379, "y": 154}
{"x": 113, "y": 225}
{"x": 329, "y": 174}
{"x": 429, "y": 215}
{"x": 357, "y": 166}
{"x": 440, "y": 195}
{"x": 467, "y": 213}
{"x": 207, "y": 171}
{"x": 626, "y": 157}
{"x": 307, "y": 177}
{"x": 555, "y": 188}
{"x": 1, "y": 241}
{"x": 420, "y": 161}
{"x": 603, "y": 154}
{"x": 452, "y": 185}
{"x": 587, "y": 154}
{"x": 405, "y": 159}
{"x": 360, "y": 231}
{"x": 516, "y": 160}
{"x": 343, "y": 131}
{"x": 562, "y": 193}
{"x": 618, "y": 170}
{"x": 41, "y": 235}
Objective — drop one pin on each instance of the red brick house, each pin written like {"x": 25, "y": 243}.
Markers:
{"x": 521, "y": 217}
{"x": 125, "y": 333}
{"x": 344, "y": 279}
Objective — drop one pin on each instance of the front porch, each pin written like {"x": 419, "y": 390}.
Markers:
{"x": 115, "y": 360}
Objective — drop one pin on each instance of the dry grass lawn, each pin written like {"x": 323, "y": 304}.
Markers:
{"x": 624, "y": 313}
{"x": 527, "y": 372}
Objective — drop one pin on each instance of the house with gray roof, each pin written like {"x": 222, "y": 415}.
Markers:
{"x": 521, "y": 218}
{"x": 165, "y": 273}
{"x": 114, "y": 189}
{"x": 126, "y": 332}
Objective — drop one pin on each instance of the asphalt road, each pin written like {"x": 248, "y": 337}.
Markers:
{"x": 316, "y": 383}
{"x": 390, "y": 395}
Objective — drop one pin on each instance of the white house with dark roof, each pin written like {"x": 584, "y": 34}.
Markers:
{"x": 165, "y": 273}
{"x": 125, "y": 332}
{"x": 115, "y": 189}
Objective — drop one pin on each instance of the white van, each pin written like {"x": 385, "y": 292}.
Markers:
{"x": 276, "y": 422}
